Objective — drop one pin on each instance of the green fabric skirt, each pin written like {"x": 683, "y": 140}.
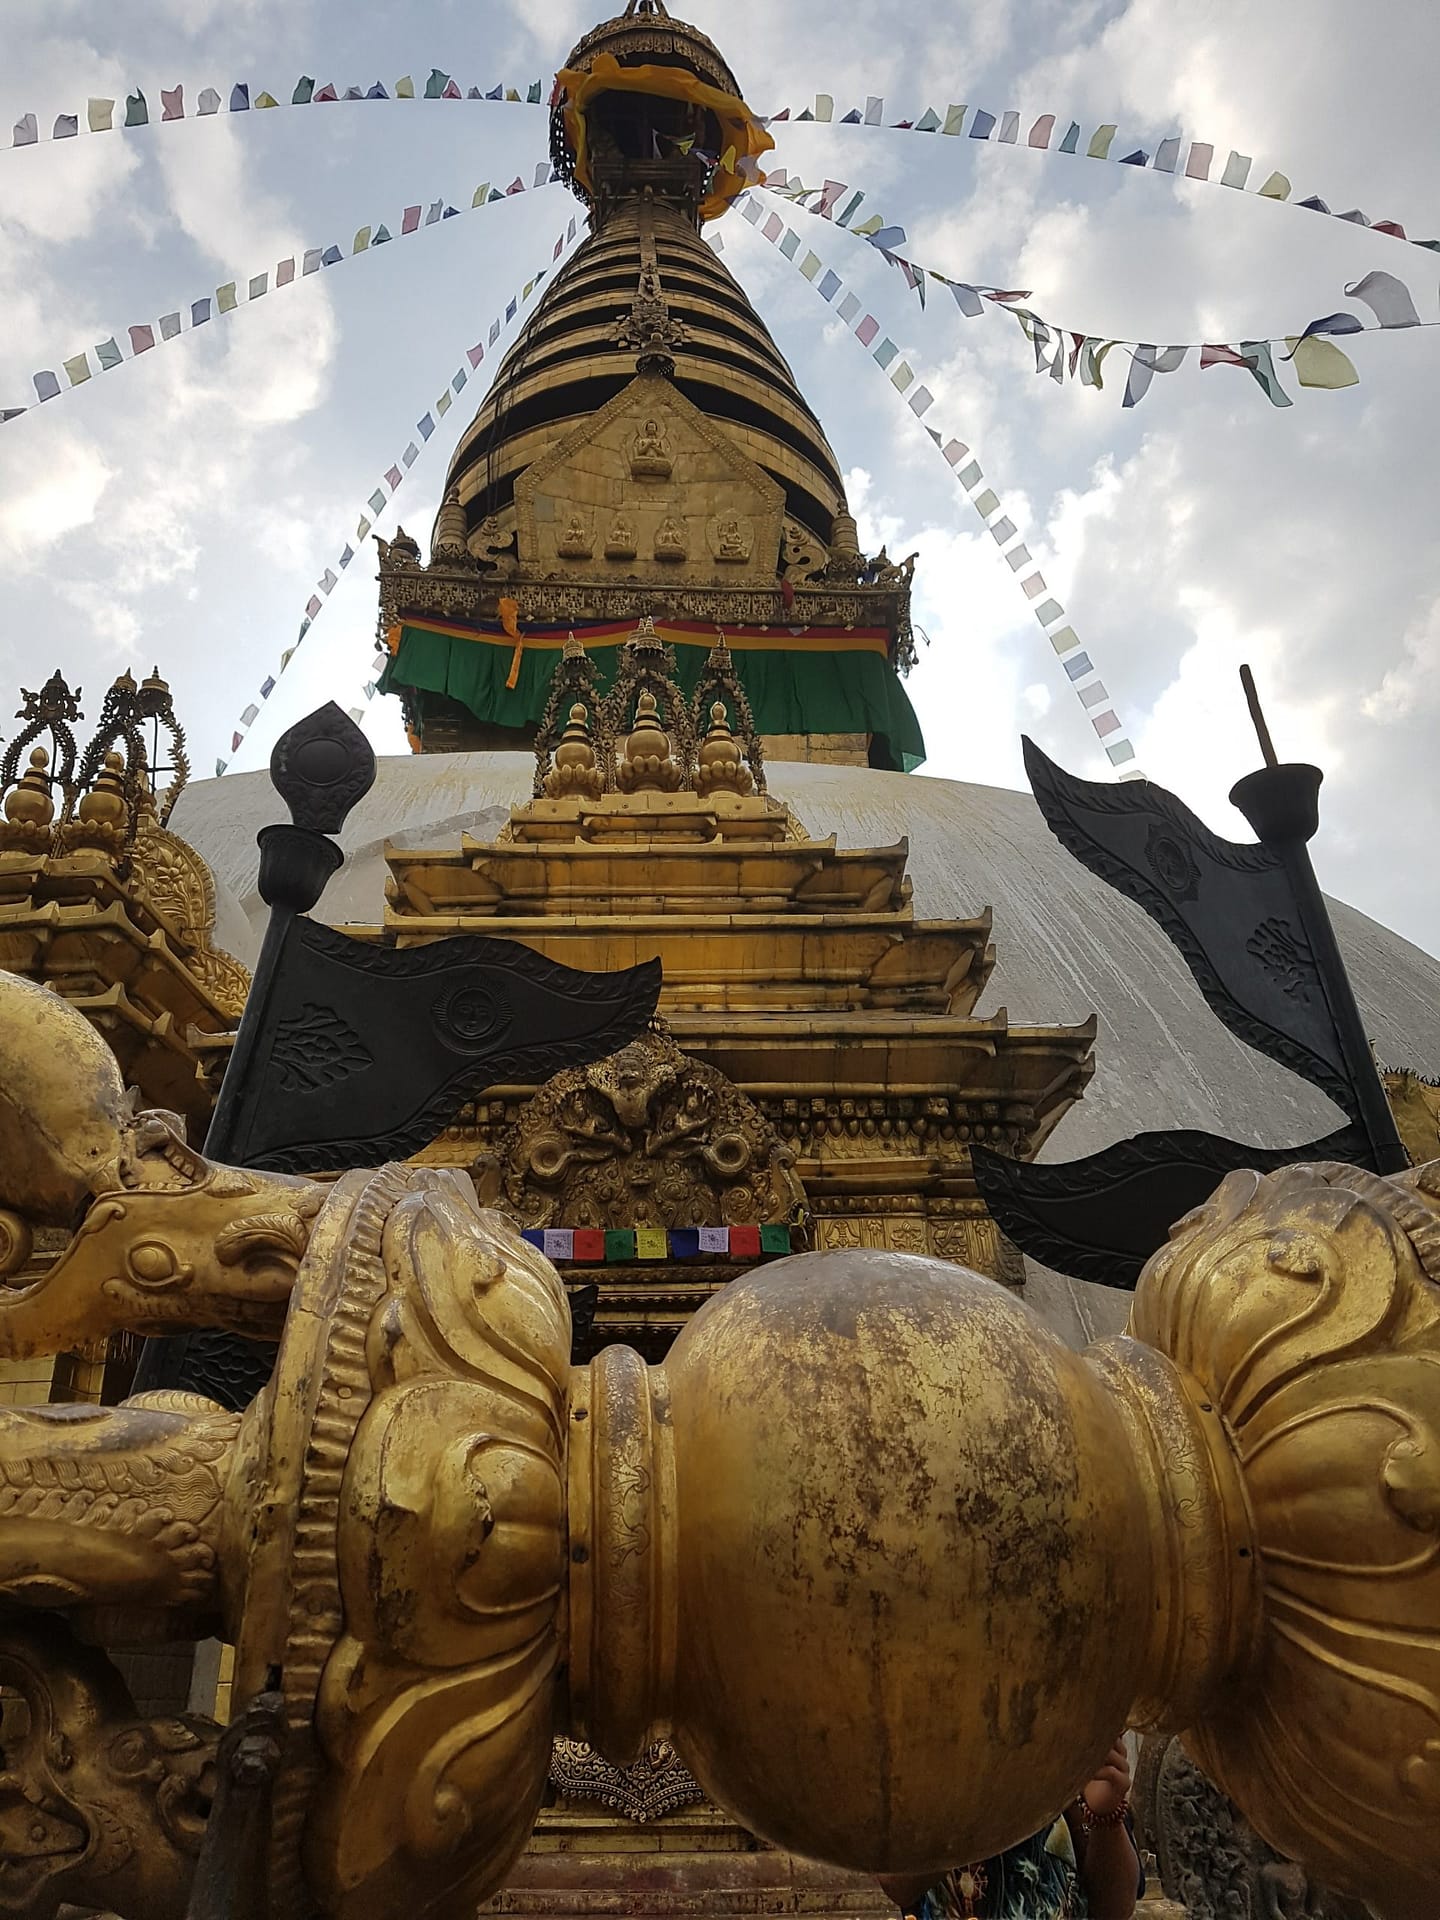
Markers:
{"x": 791, "y": 691}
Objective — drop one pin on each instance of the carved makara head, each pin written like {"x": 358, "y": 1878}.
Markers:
{"x": 163, "y": 1237}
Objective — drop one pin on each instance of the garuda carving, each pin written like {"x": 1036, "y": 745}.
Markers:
{"x": 645, "y": 1138}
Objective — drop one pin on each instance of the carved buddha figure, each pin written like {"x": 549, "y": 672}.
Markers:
{"x": 577, "y": 544}
{"x": 620, "y": 540}
{"x": 670, "y": 540}
{"x": 731, "y": 542}
{"x": 650, "y": 455}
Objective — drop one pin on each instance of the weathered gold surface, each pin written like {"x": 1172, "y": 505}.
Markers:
{"x": 98, "y": 1806}
{"x": 854, "y": 1473}
{"x": 1305, "y": 1308}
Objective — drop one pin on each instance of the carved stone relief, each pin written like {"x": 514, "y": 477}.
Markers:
{"x": 1210, "y": 1859}
{"x": 648, "y": 1137}
{"x": 659, "y": 484}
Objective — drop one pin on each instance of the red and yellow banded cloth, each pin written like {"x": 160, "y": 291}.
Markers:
{"x": 807, "y": 680}
{"x": 742, "y": 138}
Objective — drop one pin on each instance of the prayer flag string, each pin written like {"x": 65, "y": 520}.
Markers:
{"x": 380, "y": 499}
{"x": 115, "y": 116}
{"x": 245, "y": 290}
{"x": 1201, "y": 158}
{"x": 1096, "y": 701}
{"x": 1064, "y": 351}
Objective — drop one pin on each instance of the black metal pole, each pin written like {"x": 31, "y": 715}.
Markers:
{"x": 224, "y": 1133}
{"x": 296, "y": 863}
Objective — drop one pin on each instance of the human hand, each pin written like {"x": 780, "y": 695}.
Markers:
{"x": 1106, "y": 1794}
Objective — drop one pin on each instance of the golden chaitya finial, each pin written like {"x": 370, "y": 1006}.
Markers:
{"x": 647, "y": 765}
{"x": 576, "y": 773}
{"x": 720, "y": 768}
{"x": 29, "y": 808}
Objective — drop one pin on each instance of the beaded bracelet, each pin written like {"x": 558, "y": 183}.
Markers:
{"x": 1089, "y": 1820}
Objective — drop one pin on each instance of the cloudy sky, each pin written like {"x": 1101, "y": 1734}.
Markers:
{"x": 181, "y": 509}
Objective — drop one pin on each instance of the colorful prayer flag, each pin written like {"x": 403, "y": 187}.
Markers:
{"x": 27, "y": 131}
{"x": 651, "y": 1244}
{"x": 46, "y": 385}
{"x": 1320, "y": 363}
{"x": 619, "y": 1244}
{"x": 100, "y": 115}
{"x": 394, "y": 476}
{"x": 142, "y": 339}
{"x": 1387, "y": 298}
{"x": 559, "y": 1243}
{"x": 715, "y": 1239}
{"x": 589, "y": 1243}
{"x": 1099, "y": 147}
{"x": 1258, "y": 359}
{"x": 77, "y": 369}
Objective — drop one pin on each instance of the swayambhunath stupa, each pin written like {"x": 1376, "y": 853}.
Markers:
{"x": 639, "y": 1311}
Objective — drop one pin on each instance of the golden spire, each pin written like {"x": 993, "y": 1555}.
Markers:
{"x": 720, "y": 768}
{"x": 576, "y": 773}
{"x": 648, "y": 766}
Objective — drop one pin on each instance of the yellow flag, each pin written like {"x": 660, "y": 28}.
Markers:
{"x": 405, "y": 89}
{"x": 1320, "y": 363}
{"x": 650, "y": 1243}
{"x": 727, "y": 160}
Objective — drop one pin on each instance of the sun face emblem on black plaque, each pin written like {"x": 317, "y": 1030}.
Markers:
{"x": 1172, "y": 863}
{"x": 470, "y": 1014}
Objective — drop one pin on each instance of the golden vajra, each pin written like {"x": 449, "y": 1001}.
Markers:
{"x": 868, "y": 1515}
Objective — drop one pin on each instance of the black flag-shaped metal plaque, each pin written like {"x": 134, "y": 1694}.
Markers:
{"x": 1252, "y": 926}
{"x": 365, "y": 1053}
{"x": 349, "y": 1053}
{"x": 1102, "y": 1217}
{"x": 1229, "y": 909}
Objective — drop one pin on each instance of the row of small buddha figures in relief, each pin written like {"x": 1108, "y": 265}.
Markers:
{"x": 730, "y": 540}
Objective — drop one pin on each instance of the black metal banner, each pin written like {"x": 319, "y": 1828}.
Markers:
{"x": 1229, "y": 909}
{"x": 1102, "y": 1217}
{"x": 365, "y": 1053}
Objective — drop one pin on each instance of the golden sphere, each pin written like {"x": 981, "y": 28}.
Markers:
{"x": 912, "y": 1566}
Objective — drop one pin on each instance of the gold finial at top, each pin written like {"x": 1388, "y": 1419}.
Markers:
{"x": 104, "y": 805}
{"x": 573, "y": 649}
{"x": 576, "y": 771}
{"x": 721, "y": 768}
{"x": 648, "y": 766}
{"x": 28, "y": 805}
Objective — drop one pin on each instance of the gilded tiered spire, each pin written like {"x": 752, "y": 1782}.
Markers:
{"x": 644, "y": 451}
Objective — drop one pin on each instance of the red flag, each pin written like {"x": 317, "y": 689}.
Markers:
{"x": 1213, "y": 355}
{"x": 172, "y": 99}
